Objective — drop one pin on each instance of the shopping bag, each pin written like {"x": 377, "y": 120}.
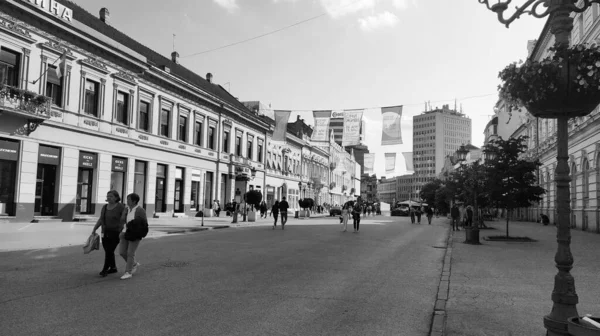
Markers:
{"x": 92, "y": 243}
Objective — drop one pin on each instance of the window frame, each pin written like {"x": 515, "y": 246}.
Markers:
{"x": 250, "y": 146}
{"x": 126, "y": 113}
{"x": 211, "y": 135}
{"x": 19, "y": 65}
{"x": 148, "y": 98}
{"x": 182, "y": 134}
{"x": 97, "y": 99}
{"x": 61, "y": 81}
{"x": 199, "y": 139}
{"x": 160, "y": 122}
{"x": 148, "y": 113}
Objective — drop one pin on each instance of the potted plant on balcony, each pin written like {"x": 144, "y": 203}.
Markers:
{"x": 565, "y": 84}
{"x": 253, "y": 199}
{"x": 24, "y": 99}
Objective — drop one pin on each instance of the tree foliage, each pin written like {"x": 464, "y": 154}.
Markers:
{"x": 428, "y": 191}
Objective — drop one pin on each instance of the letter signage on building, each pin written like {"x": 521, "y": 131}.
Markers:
{"x": 9, "y": 150}
{"x": 49, "y": 155}
{"x": 87, "y": 160}
{"x": 119, "y": 164}
{"x": 53, "y": 7}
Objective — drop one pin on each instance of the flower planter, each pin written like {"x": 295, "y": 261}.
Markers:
{"x": 251, "y": 216}
{"x": 578, "y": 329}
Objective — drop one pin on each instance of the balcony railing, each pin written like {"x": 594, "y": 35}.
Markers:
{"x": 23, "y": 102}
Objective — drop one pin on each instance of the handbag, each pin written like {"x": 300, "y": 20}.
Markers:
{"x": 92, "y": 243}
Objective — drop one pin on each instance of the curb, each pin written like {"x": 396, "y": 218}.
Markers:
{"x": 438, "y": 319}
{"x": 196, "y": 229}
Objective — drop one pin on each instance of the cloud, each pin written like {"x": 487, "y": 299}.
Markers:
{"x": 229, "y": 5}
{"x": 374, "y": 22}
{"x": 339, "y": 8}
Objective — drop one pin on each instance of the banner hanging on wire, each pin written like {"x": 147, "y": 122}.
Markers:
{"x": 408, "y": 159}
{"x": 369, "y": 163}
{"x": 321, "y": 130}
{"x": 351, "y": 133}
{"x": 390, "y": 163}
{"x": 392, "y": 127}
{"x": 281, "y": 120}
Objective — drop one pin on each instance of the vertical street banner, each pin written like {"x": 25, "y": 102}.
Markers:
{"x": 408, "y": 159}
{"x": 321, "y": 130}
{"x": 392, "y": 130}
{"x": 281, "y": 120}
{"x": 369, "y": 163}
{"x": 390, "y": 163}
{"x": 351, "y": 133}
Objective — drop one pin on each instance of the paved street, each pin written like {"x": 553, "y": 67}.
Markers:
{"x": 309, "y": 279}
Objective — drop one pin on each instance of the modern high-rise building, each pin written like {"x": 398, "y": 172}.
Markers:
{"x": 436, "y": 134}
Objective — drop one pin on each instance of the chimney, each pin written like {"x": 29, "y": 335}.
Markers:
{"x": 209, "y": 77}
{"x": 105, "y": 15}
{"x": 174, "y": 57}
{"x": 298, "y": 117}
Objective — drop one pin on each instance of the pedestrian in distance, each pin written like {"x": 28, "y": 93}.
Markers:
{"x": 545, "y": 220}
{"x": 112, "y": 220}
{"x": 455, "y": 214}
{"x": 345, "y": 216}
{"x": 136, "y": 229}
{"x": 469, "y": 212}
{"x": 429, "y": 213}
{"x": 411, "y": 211}
{"x": 263, "y": 209}
{"x": 274, "y": 213}
{"x": 418, "y": 213}
{"x": 216, "y": 208}
{"x": 356, "y": 217}
{"x": 283, "y": 209}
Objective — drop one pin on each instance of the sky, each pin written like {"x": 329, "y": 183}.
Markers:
{"x": 354, "y": 54}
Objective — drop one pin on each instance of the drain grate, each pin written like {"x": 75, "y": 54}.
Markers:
{"x": 175, "y": 263}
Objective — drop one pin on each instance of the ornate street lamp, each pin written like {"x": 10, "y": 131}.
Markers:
{"x": 564, "y": 297}
{"x": 489, "y": 155}
{"x": 462, "y": 152}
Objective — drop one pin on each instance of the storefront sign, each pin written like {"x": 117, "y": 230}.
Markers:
{"x": 9, "y": 150}
{"x": 54, "y": 8}
{"x": 119, "y": 164}
{"x": 49, "y": 155}
{"x": 88, "y": 160}
{"x": 196, "y": 175}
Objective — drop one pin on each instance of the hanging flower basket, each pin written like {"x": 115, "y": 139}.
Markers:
{"x": 565, "y": 84}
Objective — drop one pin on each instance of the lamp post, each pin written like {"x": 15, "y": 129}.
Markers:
{"x": 564, "y": 297}
{"x": 473, "y": 171}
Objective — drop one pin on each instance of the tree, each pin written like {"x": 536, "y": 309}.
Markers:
{"x": 443, "y": 195}
{"x": 254, "y": 197}
{"x": 428, "y": 191}
{"x": 512, "y": 182}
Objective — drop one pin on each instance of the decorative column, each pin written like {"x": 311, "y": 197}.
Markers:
{"x": 132, "y": 115}
{"x": 82, "y": 92}
{"x": 43, "y": 67}
{"x": 25, "y": 69}
{"x": 114, "y": 102}
{"x": 66, "y": 88}
{"x": 102, "y": 97}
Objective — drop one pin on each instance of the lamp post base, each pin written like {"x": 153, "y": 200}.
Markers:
{"x": 472, "y": 235}
{"x": 556, "y": 328}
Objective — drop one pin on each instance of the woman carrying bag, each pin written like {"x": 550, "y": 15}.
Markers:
{"x": 345, "y": 216}
{"x": 136, "y": 229}
{"x": 112, "y": 220}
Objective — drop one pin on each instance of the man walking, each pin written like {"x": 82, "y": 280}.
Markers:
{"x": 283, "y": 208}
{"x": 455, "y": 214}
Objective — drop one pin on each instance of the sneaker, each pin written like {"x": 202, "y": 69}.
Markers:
{"x": 126, "y": 276}
{"x": 135, "y": 267}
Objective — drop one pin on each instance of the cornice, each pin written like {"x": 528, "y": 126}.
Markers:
{"x": 12, "y": 28}
{"x": 125, "y": 77}
{"x": 95, "y": 64}
{"x": 57, "y": 48}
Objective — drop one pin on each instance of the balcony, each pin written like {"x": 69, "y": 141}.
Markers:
{"x": 24, "y": 104}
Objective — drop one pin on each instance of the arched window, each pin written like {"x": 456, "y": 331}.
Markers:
{"x": 573, "y": 185}
{"x": 549, "y": 193}
{"x": 585, "y": 169}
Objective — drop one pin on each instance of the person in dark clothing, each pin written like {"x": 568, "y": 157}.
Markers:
{"x": 545, "y": 219}
{"x": 469, "y": 216}
{"x": 455, "y": 214}
{"x": 112, "y": 220}
{"x": 411, "y": 210}
{"x": 263, "y": 209}
{"x": 418, "y": 215}
{"x": 283, "y": 208}
{"x": 429, "y": 213}
{"x": 274, "y": 213}
{"x": 356, "y": 217}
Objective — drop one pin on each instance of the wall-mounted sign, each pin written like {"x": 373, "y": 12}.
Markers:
{"x": 54, "y": 8}
{"x": 9, "y": 150}
{"x": 49, "y": 155}
{"x": 88, "y": 160}
{"x": 119, "y": 164}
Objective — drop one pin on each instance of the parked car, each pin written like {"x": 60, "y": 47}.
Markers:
{"x": 400, "y": 211}
{"x": 335, "y": 211}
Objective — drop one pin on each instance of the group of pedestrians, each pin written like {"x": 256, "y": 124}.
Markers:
{"x": 354, "y": 210}
{"x": 124, "y": 226}
{"x": 279, "y": 208}
{"x": 464, "y": 218}
{"x": 415, "y": 214}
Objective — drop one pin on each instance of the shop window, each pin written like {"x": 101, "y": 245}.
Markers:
{"x": 92, "y": 90}
{"x": 144, "y": 116}
{"x": 9, "y": 67}
{"x": 165, "y": 118}
{"x": 122, "y": 105}
{"x": 182, "y": 129}
{"x": 54, "y": 86}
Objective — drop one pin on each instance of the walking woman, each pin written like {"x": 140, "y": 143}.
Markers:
{"x": 136, "y": 229}
{"x": 356, "y": 217}
{"x": 112, "y": 220}
{"x": 274, "y": 213}
{"x": 345, "y": 215}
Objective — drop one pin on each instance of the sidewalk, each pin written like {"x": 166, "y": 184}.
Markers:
{"x": 501, "y": 288}
{"x": 28, "y": 236}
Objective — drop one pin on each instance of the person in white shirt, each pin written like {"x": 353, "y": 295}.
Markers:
{"x": 136, "y": 228}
